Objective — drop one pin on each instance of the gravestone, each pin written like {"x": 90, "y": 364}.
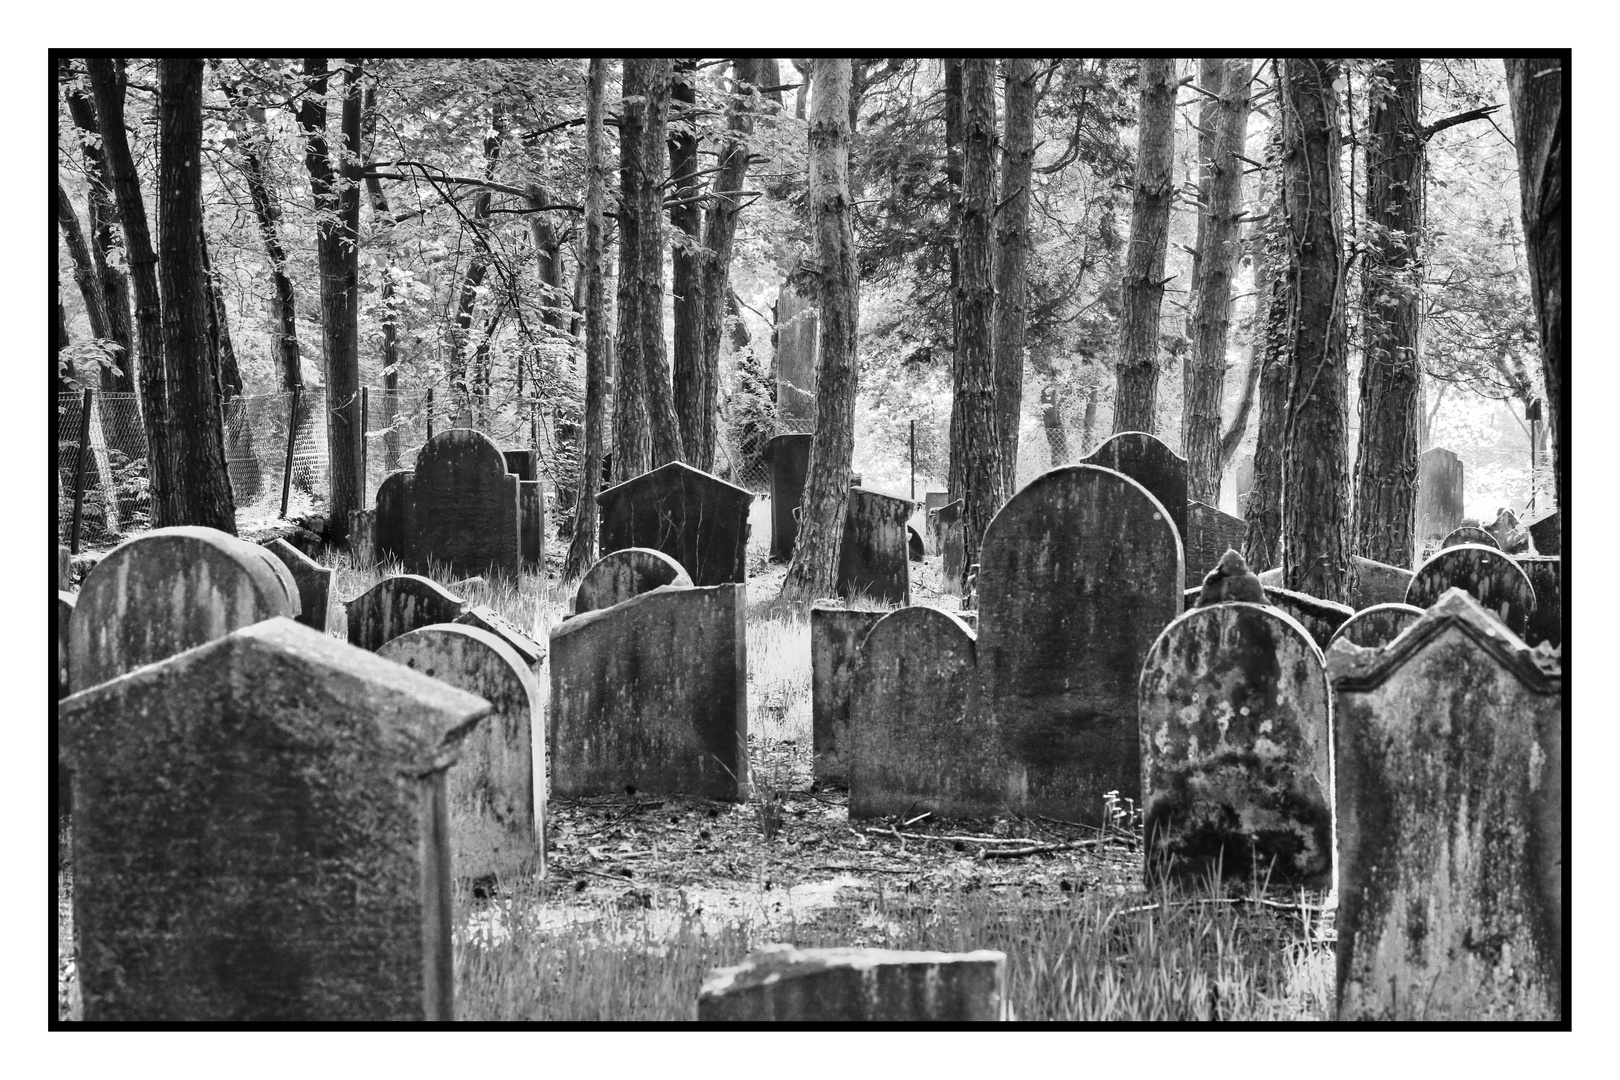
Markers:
{"x": 1546, "y": 534}
{"x": 1546, "y": 622}
{"x": 784, "y": 983}
{"x": 395, "y": 521}
{"x": 952, "y": 544}
{"x": 1320, "y": 618}
{"x": 523, "y": 464}
{"x": 363, "y": 538}
{"x": 1448, "y": 757}
{"x": 465, "y": 510}
{"x": 697, "y": 519}
{"x": 796, "y": 319}
{"x": 1440, "y": 493}
{"x": 258, "y": 834}
{"x": 1237, "y": 770}
{"x": 532, "y": 524}
{"x": 917, "y": 738}
{"x": 932, "y": 500}
{"x": 836, "y": 634}
{"x": 1156, "y": 467}
{"x": 1469, "y": 534}
{"x": 1377, "y": 626}
{"x": 1377, "y": 583}
{"x": 652, "y": 694}
{"x": 1079, "y": 572}
{"x": 64, "y": 569}
{"x": 788, "y": 458}
{"x": 166, "y": 591}
{"x": 873, "y": 559}
{"x": 1508, "y": 532}
{"x": 914, "y": 544}
{"x": 314, "y": 583}
{"x": 1210, "y": 534}
{"x": 397, "y": 605}
{"x": 619, "y": 575}
{"x": 1490, "y": 577}
{"x": 64, "y": 620}
{"x": 496, "y": 792}
{"x": 485, "y": 618}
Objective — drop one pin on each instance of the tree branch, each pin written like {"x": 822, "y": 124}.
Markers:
{"x": 1440, "y": 125}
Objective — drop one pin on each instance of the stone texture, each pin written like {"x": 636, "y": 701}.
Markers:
{"x": 1155, "y": 466}
{"x": 314, "y": 583}
{"x": 836, "y": 634}
{"x": 259, "y": 834}
{"x": 166, "y": 591}
{"x": 873, "y": 560}
{"x": 1236, "y": 750}
{"x": 395, "y": 516}
{"x": 619, "y": 575}
{"x": 1210, "y": 534}
{"x": 1490, "y": 577}
{"x": 532, "y": 524}
{"x": 1449, "y": 770}
{"x": 652, "y": 694}
{"x": 1320, "y": 618}
{"x": 1469, "y": 534}
{"x": 1377, "y": 583}
{"x": 918, "y": 740}
{"x": 1546, "y": 533}
{"x": 531, "y": 652}
{"x": 1377, "y": 626}
{"x": 783, "y": 983}
{"x": 1546, "y": 576}
{"x": 1080, "y": 571}
{"x": 788, "y": 458}
{"x": 496, "y": 792}
{"x": 695, "y": 518}
{"x": 1243, "y": 482}
{"x": 64, "y": 569}
{"x": 465, "y": 514}
{"x": 1440, "y": 493}
{"x": 64, "y": 622}
{"x": 397, "y": 605}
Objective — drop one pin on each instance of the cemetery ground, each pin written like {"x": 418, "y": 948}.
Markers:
{"x": 645, "y": 895}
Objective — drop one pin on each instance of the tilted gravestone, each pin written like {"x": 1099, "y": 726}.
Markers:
{"x": 1448, "y": 758}
{"x": 169, "y": 590}
{"x": 496, "y": 792}
{"x": 932, "y": 500}
{"x": 1210, "y": 534}
{"x": 1440, "y": 493}
{"x": 1375, "y": 582}
{"x": 619, "y": 575}
{"x": 397, "y": 605}
{"x": 465, "y": 509}
{"x": 872, "y": 559}
{"x": 395, "y": 523}
{"x": 314, "y": 582}
{"x": 532, "y": 523}
{"x": 782, "y": 982}
{"x": 1469, "y": 534}
{"x": 948, "y": 526}
{"x": 258, "y": 834}
{"x": 651, "y": 694}
{"x": 1490, "y": 577}
{"x": 1320, "y": 618}
{"x": 1377, "y": 626}
{"x": 1236, "y": 746}
{"x": 697, "y": 519}
{"x": 1156, "y": 467}
{"x": 836, "y": 633}
{"x": 530, "y": 651}
{"x": 1546, "y": 622}
{"x": 788, "y": 458}
{"x": 1546, "y": 534}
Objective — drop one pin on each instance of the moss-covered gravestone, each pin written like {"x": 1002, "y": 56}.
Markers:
{"x": 1485, "y": 573}
{"x": 695, "y": 518}
{"x": 314, "y": 582}
{"x": 259, "y": 834}
{"x": 836, "y": 633}
{"x": 397, "y": 605}
{"x": 1377, "y": 626}
{"x": 1157, "y": 468}
{"x": 1449, "y": 768}
{"x": 788, "y": 458}
{"x": 781, "y": 982}
{"x": 873, "y": 560}
{"x": 619, "y": 575}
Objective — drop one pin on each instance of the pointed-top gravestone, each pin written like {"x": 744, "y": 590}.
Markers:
{"x": 530, "y": 651}
{"x": 1469, "y": 534}
{"x": 619, "y": 575}
{"x": 696, "y": 518}
{"x": 1152, "y": 464}
{"x": 465, "y": 508}
{"x": 1448, "y": 759}
{"x": 1377, "y": 626}
{"x": 397, "y": 605}
{"x": 1485, "y": 573}
{"x": 314, "y": 582}
{"x": 873, "y": 559}
{"x": 258, "y": 834}
{"x": 169, "y": 590}
{"x": 788, "y": 458}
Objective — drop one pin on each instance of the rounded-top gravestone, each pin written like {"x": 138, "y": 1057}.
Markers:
{"x": 619, "y": 575}
{"x": 1469, "y": 534}
{"x": 1485, "y": 573}
{"x": 1155, "y": 466}
{"x": 1377, "y": 626}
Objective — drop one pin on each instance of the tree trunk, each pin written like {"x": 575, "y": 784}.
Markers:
{"x": 1012, "y": 261}
{"x": 467, "y": 378}
{"x": 382, "y": 228}
{"x": 1386, "y": 476}
{"x": 267, "y": 212}
{"x": 63, "y": 375}
{"x": 103, "y": 216}
{"x": 813, "y": 571}
{"x": 199, "y": 491}
{"x": 582, "y": 548}
{"x": 1220, "y": 189}
{"x": 694, "y": 383}
{"x": 953, "y": 198}
{"x": 223, "y": 354}
{"x": 84, "y": 270}
{"x": 976, "y": 468}
{"x": 1136, "y": 392}
{"x": 1541, "y": 126}
{"x": 632, "y": 455}
{"x": 1315, "y": 504}
{"x": 1262, "y": 540}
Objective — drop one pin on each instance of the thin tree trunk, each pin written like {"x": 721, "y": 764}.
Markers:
{"x": 1384, "y": 523}
{"x": 84, "y": 270}
{"x": 63, "y": 374}
{"x": 382, "y": 229}
{"x": 467, "y": 379}
{"x": 1136, "y": 393}
{"x": 693, "y": 383}
{"x": 1012, "y": 260}
{"x": 664, "y": 424}
{"x": 1262, "y": 541}
{"x": 219, "y": 330}
{"x": 813, "y": 570}
{"x": 103, "y": 216}
{"x": 953, "y": 201}
{"x": 267, "y": 212}
{"x": 632, "y": 453}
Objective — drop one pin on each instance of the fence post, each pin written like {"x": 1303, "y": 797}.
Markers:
{"x": 914, "y": 461}
{"x": 430, "y": 413}
{"x": 365, "y": 449}
{"x": 78, "y": 468}
{"x": 292, "y": 441}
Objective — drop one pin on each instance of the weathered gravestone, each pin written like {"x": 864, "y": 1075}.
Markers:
{"x": 169, "y": 590}
{"x": 1376, "y": 582}
{"x": 1237, "y": 769}
{"x": 1508, "y": 532}
{"x": 1469, "y": 534}
{"x": 1440, "y": 493}
{"x": 1448, "y": 757}
{"x": 1377, "y": 626}
{"x": 619, "y": 575}
{"x": 788, "y": 458}
{"x": 532, "y": 523}
{"x": 932, "y": 500}
{"x": 465, "y": 508}
{"x": 363, "y": 538}
{"x": 397, "y": 605}
{"x": 1546, "y": 621}
{"x": 1079, "y": 572}
{"x": 651, "y": 694}
{"x": 64, "y": 569}
{"x": 259, "y": 834}
{"x": 496, "y": 792}
{"x": 1155, "y": 466}
{"x": 395, "y": 520}
{"x": 1210, "y": 534}
{"x": 836, "y": 634}
{"x": 1546, "y": 534}
{"x": 485, "y": 618}
{"x": 697, "y": 519}
{"x": 1320, "y": 618}
{"x": 948, "y": 526}
{"x": 782, "y": 982}
{"x": 917, "y": 739}
{"x": 314, "y": 582}
{"x": 872, "y": 559}
{"x": 914, "y": 544}
{"x": 64, "y": 620}
{"x": 1486, "y": 574}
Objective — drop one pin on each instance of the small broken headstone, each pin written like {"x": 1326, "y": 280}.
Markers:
{"x": 788, "y": 458}
{"x": 781, "y": 982}
{"x": 619, "y": 575}
{"x": 397, "y": 605}
{"x": 314, "y": 582}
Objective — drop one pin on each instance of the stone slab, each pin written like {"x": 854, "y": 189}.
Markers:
{"x": 314, "y": 583}
{"x": 397, "y": 605}
{"x": 1485, "y": 573}
{"x": 1377, "y": 626}
{"x": 1320, "y": 618}
{"x": 363, "y": 538}
{"x": 395, "y": 523}
{"x": 64, "y": 569}
{"x": 1440, "y": 493}
{"x": 836, "y": 634}
{"x": 788, "y": 458}
{"x": 486, "y": 618}
{"x": 532, "y": 510}
{"x": 947, "y": 524}
{"x": 523, "y": 464}
{"x": 465, "y": 508}
{"x": 64, "y": 621}
{"x": 1156, "y": 467}
{"x": 782, "y": 983}
{"x": 1210, "y": 534}
{"x": 696, "y": 518}
{"x": 873, "y": 560}
{"x": 619, "y": 575}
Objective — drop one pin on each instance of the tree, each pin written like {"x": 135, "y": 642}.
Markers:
{"x": 1142, "y": 289}
{"x": 1315, "y": 503}
{"x": 694, "y": 384}
{"x": 1012, "y": 259}
{"x": 1262, "y": 538}
{"x": 813, "y": 571}
{"x": 84, "y": 270}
